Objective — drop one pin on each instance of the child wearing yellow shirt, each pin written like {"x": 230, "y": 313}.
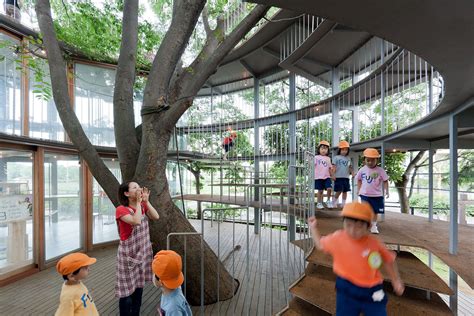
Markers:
{"x": 75, "y": 298}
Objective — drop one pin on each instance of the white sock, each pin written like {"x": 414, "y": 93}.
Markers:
{"x": 343, "y": 202}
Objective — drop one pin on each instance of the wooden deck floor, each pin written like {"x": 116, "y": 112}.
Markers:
{"x": 265, "y": 294}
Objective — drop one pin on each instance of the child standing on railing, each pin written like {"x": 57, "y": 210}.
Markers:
{"x": 343, "y": 170}
{"x": 372, "y": 182}
{"x": 228, "y": 142}
{"x": 322, "y": 174}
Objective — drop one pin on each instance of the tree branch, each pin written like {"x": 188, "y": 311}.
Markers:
{"x": 205, "y": 20}
{"x": 57, "y": 68}
{"x": 127, "y": 144}
{"x": 185, "y": 16}
{"x": 205, "y": 64}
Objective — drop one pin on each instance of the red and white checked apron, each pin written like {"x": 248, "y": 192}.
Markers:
{"x": 134, "y": 258}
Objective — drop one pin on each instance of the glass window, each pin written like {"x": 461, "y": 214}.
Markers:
{"x": 62, "y": 208}
{"x": 104, "y": 224}
{"x": 10, "y": 87}
{"x": 16, "y": 212}
{"x": 94, "y": 89}
{"x": 43, "y": 117}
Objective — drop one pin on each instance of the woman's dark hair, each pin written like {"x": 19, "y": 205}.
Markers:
{"x": 74, "y": 273}
{"x": 319, "y": 146}
{"x": 339, "y": 151}
{"x": 121, "y": 192}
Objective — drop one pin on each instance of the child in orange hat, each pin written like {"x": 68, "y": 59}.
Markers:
{"x": 372, "y": 182}
{"x": 357, "y": 257}
{"x": 167, "y": 267}
{"x": 343, "y": 170}
{"x": 75, "y": 298}
{"x": 323, "y": 173}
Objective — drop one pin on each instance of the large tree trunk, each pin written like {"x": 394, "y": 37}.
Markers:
{"x": 402, "y": 195}
{"x": 173, "y": 220}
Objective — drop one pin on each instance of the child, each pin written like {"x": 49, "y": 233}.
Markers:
{"x": 343, "y": 167}
{"x": 228, "y": 142}
{"x": 322, "y": 173}
{"x": 167, "y": 267}
{"x": 372, "y": 181}
{"x": 357, "y": 257}
{"x": 75, "y": 298}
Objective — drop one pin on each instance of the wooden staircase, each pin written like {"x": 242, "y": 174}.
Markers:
{"x": 315, "y": 294}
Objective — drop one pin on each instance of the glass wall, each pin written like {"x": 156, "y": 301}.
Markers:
{"x": 16, "y": 212}
{"x": 43, "y": 116}
{"x": 62, "y": 207}
{"x": 103, "y": 211}
{"x": 94, "y": 90}
{"x": 10, "y": 87}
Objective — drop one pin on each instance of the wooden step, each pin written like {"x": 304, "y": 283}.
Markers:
{"x": 413, "y": 271}
{"x": 317, "y": 287}
{"x": 299, "y": 307}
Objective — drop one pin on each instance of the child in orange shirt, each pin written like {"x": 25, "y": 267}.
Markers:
{"x": 357, "y": 257}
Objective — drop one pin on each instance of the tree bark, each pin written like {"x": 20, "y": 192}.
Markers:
{"x": 402, "y": 184}
{"x": 172, "y": 219}
{"x": 126, "y": 140}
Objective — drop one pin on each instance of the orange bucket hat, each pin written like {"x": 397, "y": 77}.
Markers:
{"x": 343, "y": 144}
{"x": 167, "y": 266}
{"x": 72, "y": 262}
{"x": 358, "y": 210}
{"x": 325, "y": 143}
{"x": 371, "y": 153}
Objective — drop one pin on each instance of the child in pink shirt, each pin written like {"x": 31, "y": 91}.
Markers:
{"x": 322, "y": 174}
{"x": 372, "y": 182}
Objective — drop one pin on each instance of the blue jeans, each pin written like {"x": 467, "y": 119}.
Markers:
{"x": 351, "y": 300}
{"x": 130, "y": 305}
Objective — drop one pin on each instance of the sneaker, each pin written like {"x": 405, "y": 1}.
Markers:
{"x": 320, "y": 206}
{"x": 374, "y": 229}
{"x": 329, "y": 204}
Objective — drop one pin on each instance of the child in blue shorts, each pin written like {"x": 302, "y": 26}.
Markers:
{"x": 372, "y": 182}
{"x": 343, "y": 170}
{"x": 323, "y": 174}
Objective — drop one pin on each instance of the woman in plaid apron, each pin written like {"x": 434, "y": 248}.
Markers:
{"x": 135, "y": 254}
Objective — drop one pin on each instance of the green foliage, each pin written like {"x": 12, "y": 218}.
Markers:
{"x": 394, "y": 165}
{"x": 440, "y": 203}
{"x": 466, "y": 169}
{"x": 96, "y": 31}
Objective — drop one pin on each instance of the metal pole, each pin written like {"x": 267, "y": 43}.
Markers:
{"x": 382, "y": 87}
{"x": 336, "y": 88}
{"x": 430, "y": 183}
{"x": 453, "y": 284}
{"x": 256, "y": 139}
{"x": 453, "y": 181}
{"x": 382, "y": 153}
{"x": 292, "y": 143}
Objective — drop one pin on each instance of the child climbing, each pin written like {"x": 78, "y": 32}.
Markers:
{"x": 343, "y": 170}
{"x": 372, "y": 182}
{"x": 228, "y": 142}
{"x": 357, "y": 258}
{"x": 323, "y": 174}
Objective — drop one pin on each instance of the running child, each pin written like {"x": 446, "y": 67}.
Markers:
{"x": 357, "y": 258}
{"x": 343, "y": 170}
{"x": 323, "y": 174}
{"x": 372, "y": 182}
{"x": 228, "y": 142}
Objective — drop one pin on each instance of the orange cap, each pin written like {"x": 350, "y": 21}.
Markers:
{"x": 371, "y": 153}
{"x": 343, "y": 144}
{"x": 358, "y": 210}
{"x": 325, "y": 143}
{"x": 72, "y": 262}
{"x": 167, "y": 266}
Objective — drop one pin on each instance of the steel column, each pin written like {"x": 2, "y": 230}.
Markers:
{"x": 430, "y": 183}
{"x": 453, "y": 181}
{"x": 256, "y": 140}
{"x": 292, "y": 143}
